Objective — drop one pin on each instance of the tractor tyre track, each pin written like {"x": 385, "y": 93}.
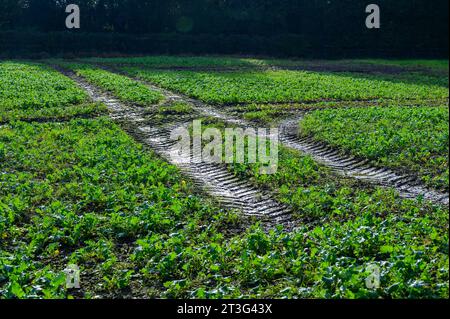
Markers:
{"x": 230, "y": 191}
{"x": 407, "y": 185}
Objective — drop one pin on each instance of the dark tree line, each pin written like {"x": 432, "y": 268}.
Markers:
{"x": 337, "y": 23}
{"x": 225, "y": 16}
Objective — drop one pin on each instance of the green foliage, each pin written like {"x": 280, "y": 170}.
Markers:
{"x": 65, "y": 186}
{"x": 415, "y": 138}
{"x": 293, "y": 86}
{"x": 86, "y": 189}
{"x": 440, "y": 65}
{"x": 179, "y": 61}
{"x": 28, "y": 87}
{"x": 254, "y": 63}
{"x": 54, "y": 113}
{"x": 84, "y": 192}
{"x": 346, "y": 229}
{"x": 124, "y": 88}
{"x": 328, "y": 261}
{"x": 175, "y": 108}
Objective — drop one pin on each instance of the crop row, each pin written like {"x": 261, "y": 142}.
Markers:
{"x": 293, "y": 86}
{"x": 411, "y": 138}
{"x": 233, "y": 62}
{"x": 174, "y": 61}
{"x": 439, "y": 65}
{"x": 34, "y": 86}
{"x": 30, "y": 91}
{"x": 122, "y": 87}
{"x": 128, "y": 90}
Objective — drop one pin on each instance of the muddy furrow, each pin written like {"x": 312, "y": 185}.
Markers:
{"x": 408, "y": 186}
{"x": 215, "y": 179}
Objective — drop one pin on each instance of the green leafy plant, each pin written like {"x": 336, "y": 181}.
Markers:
{"x": 415, "y": 138}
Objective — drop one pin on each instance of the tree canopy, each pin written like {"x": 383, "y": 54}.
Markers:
{"x": 225, "y": 16}
{"x": 341, "y": 23}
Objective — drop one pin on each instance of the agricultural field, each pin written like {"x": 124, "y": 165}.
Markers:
{"x": 400, "y": 137}
{"x": 293, "y": 86}
{"x": 79, "y": 185}
{"x": 218, "y": 62}
{"x": 179, "y": 62}
{"x": 30, "y": 91}
{"x": 438, "y": 65}
{"x": 122, "y": 87}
